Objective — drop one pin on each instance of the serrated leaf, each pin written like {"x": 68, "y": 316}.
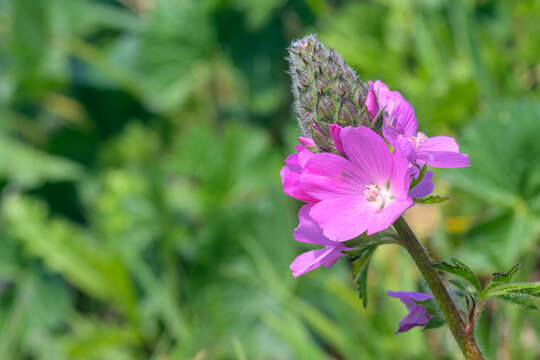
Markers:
{"x": 506, "y": 277}
{"x": 432, "y": 199}
{"x": 527, "y": 288}
{"x": 502, "y": 278}
{"x": 520, "y": 299}
{"x": 360, "y": 265}
{"x": 460, "y": 269}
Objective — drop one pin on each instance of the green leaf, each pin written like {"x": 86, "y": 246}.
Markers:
{"x": 432, "y": 199}
{"x": 519, "y": 299}
{"x": 502, "y": 278}
{"x": 506, "y": 277}
{"x": 359, "y": 261}
{"x": 419, "y": 178}
{"x": 460, "y": 269}
{"x": 27, "y": 167}
{"x": 435, "y": 322}
{"x": 526, "y": 288}
{"x": 70, "y": 251}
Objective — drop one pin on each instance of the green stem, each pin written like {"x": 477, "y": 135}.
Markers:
{"x": 462, "y": 333}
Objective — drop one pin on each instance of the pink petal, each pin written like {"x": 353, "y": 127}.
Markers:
{"x": 442, "y": 151}
{"x": 303, "y": 157}
{"x": 343, "y": 217}
{"x": 400, "y": 114}
{"x": 290, "y": 178}
{"x": 313, "y": 259}
{"x": 443, "y": 159}
{"x": 307, "y": 142}
{"x": 379, "y": 86}
{"x": 335, "y": 130}
{"x": 371, "y": 101}
{"x": 327, "y": 175}
{"x": 308, "y": 230}
{"x": 400, "y": 179}
{"x": 383, "y": 219}
{"x": 440, "y": 143}
{"x": 368, "y": 151}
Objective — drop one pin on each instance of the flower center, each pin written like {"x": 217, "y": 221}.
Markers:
{"x": 418, "y": 140}
{"x": 378, "y": 195}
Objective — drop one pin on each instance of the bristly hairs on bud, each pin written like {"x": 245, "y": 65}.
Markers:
{"x": 326, "y": 90}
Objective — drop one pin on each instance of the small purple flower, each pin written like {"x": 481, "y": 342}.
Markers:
{"x": 401, "y": 130}
{"x": 424, "y": 187}
{"x": 417, "y": 316}
{"x": 308, "y": 231}
{"x": 366, "y": 192}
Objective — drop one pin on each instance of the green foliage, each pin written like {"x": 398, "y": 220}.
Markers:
{"x": 502, "y": 277}
{"x": 460, "y": 269}
{"x": 419, "y": 178}
{"x": 26, "y": 167}
{"x": 505, "y": 175}
{"x": 140, "y": 147}
{"x": 524, "y": 294}
{"x": 360, "y": 265}
{"x": 432, "y": 199}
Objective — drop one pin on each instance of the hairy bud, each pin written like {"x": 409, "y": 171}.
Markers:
{"x": 326, "y": 90}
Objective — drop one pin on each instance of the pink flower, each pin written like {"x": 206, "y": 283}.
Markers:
{"x": 366, "y": 192}
{"x": 290, "y": 173}
{"x": 309, "y": 231}
{"x": 417, "y": 316}
{"x": 401, "y": 130}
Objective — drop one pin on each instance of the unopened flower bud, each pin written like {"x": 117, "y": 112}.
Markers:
{"x": 322, "y": 80}
{"x": 307, "y": 100}
{"x": 325, "y": 107}
{"x": 339, "y": 89}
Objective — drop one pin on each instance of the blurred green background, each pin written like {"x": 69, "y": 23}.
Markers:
{"x": 141, "y": 211}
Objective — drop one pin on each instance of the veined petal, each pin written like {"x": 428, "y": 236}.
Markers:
{"x": 400, "y": 179}
{"x": 367, "y": 150}
{"x": 382, "y": 219}
{"x": 313, "y": 259}
{"x": 400, "y": 114}
{"x": 379, "y": 86}
{"x": 309, "y": 231}
{"x": 290, "y": 178}
{"x": 443, "y": 159}
{"x": 440, "y": 143}
{"x": 342, "y": 217}
{"x": 327, "y": 175}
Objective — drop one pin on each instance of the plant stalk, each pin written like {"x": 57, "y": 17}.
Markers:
{"x": 463, "y": 334}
